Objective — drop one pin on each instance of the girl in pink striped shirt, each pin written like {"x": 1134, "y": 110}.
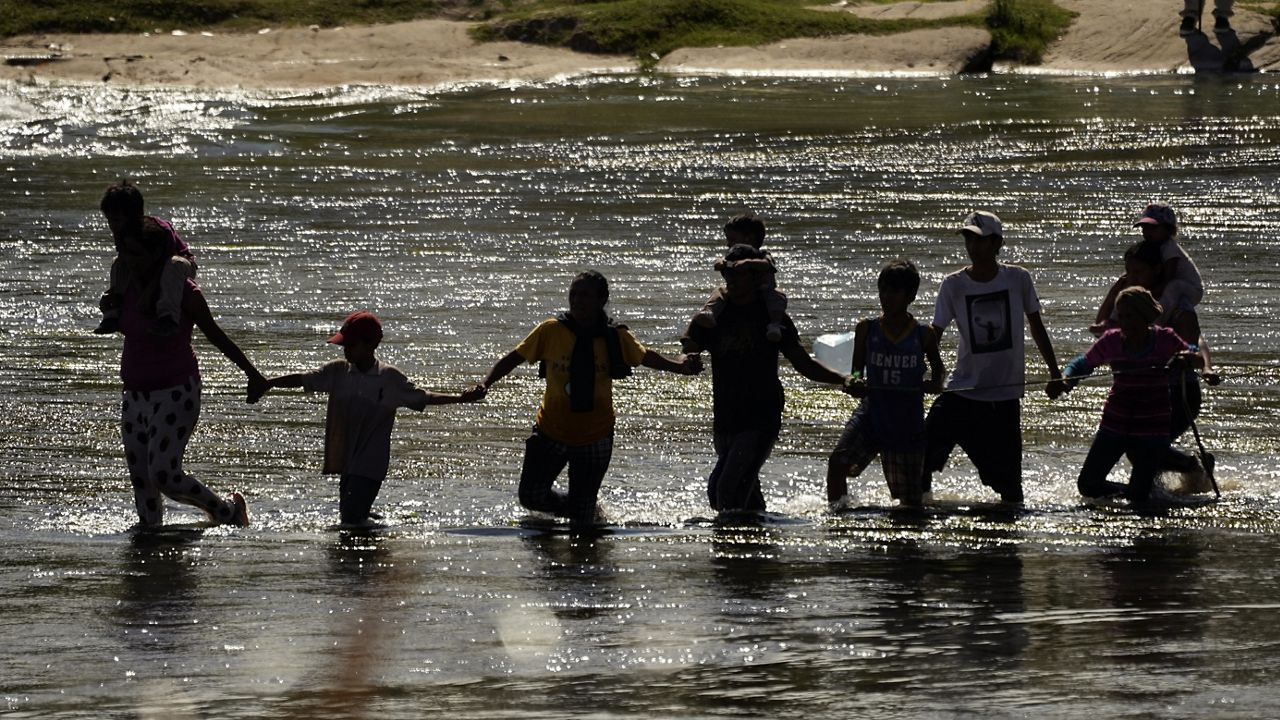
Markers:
{"x": 1136, "y": 416}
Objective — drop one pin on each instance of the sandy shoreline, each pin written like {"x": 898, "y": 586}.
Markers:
{"x": 1108, "y": 37}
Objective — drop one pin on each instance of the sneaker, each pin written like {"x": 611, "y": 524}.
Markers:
{"x": 164, "y": 326}
{"x": 1221, "y": 25}
{"x": 108, "y": 326}
{"x": 241, "y": 516}
{"x": 1188, "y": 26}
{"x": 773, "y": 332}
{"x": 705, "y": 319}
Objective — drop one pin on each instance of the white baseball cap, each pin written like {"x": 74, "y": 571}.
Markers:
{"x": 983, "y": 223}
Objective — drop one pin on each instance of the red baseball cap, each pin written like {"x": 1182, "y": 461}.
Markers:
{"x": 359, "y": 326}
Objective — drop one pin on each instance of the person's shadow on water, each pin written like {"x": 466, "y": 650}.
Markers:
{"x": 158, "y": 588}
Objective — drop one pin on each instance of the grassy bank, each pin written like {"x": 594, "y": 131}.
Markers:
{"x": 29, "y": 17}
{"x": 647, "y": 29}
{"x": 1021, "y": 30}
{"x": 644, "y": 29}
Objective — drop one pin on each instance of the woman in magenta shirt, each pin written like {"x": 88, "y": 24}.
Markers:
{"x": 161, "y": 399}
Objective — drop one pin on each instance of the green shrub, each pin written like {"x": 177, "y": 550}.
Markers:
{"x": 1022, "y": 30}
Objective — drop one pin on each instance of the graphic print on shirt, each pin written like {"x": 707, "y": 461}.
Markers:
{"x": 990, "y": 322}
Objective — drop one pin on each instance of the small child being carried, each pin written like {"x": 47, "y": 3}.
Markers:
{"x": 122, "y": 206}
{"x": 889, "y": 357}
{"x": 1180, "y": 287}
{"x": 748, "y": 230}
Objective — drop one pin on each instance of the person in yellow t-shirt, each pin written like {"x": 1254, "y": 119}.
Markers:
{"x": 583, "y": 352}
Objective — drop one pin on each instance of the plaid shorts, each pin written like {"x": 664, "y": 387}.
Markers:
{"x": 545, "y": 459}
{"x": 903, "y": 469}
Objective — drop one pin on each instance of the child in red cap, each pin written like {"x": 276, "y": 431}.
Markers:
{"x": 364, "y": 394}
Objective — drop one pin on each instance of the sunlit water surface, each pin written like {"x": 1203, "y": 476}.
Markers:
{"x": 459, "y": 217}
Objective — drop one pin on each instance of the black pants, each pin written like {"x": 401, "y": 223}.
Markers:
{"x": 735, "y": 482}
{"x": 1144, "y": 453}
{"x": 1185, "y": 409}
{"x": 355, "y": 498}
{"x": 990, "y": 433}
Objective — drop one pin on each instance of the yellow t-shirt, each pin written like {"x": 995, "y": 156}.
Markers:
{"x": 553, "y": 343}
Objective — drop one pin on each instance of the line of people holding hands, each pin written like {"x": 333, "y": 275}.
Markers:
{"x": 744, "y": 327}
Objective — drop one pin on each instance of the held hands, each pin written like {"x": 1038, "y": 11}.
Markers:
{"x": 109, "y": 301}
{"x": 474, "y": 393}
{"x": 691, "y": 364}
{"x": 258, "y": 386}
{"x": 855, "y": 386}
{"x": 1183, "y": 360}
{"x": 1056, "y": 388}
{"x": 933, "y": 387}
{"x": 1211, "y": 378}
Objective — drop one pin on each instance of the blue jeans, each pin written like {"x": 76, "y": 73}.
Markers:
{"x": 356, "y": 494}
{"x": 1144, "y": 453}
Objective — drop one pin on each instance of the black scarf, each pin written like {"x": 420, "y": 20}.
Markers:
{"x": 582, "y": 364}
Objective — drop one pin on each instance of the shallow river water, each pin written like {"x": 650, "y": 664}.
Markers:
{"x": 459, "y": 216}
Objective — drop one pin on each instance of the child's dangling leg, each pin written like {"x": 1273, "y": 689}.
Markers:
{"x": 776, "y": 303}
{"x": 173, "y": 280}
{"x": 110, "y": 303}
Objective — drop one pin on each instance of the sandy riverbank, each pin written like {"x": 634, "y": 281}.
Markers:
{"x": 1139, "y": 36}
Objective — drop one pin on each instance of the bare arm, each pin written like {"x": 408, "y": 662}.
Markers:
{"x": 856, "y": 386}
{"x": 471, "y": 394}
{"x": 686, "y": 365}
{"x": 1100, "y": 322}
{"x": 806, "y": 365}
{"x": 1045, "y": 346}
{"x": 259, "y": 388}
{"x": 1187, "y": 325}
{"x": 936, "y": 368}
{"x": 197, "y": 309}
{"x": 500, "y": 369}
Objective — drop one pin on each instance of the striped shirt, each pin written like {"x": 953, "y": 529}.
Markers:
{"x": 1138, "y": 404}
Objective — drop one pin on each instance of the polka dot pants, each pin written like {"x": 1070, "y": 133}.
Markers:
{"x": 155, "y": 426}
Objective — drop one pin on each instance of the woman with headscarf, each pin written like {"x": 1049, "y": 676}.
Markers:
{"x": 1136, "y": 416}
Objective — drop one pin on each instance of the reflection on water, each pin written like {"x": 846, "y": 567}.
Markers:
{"x": 459, "y": 218}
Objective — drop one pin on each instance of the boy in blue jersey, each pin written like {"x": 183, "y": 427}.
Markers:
{"x": 889, "y": 356}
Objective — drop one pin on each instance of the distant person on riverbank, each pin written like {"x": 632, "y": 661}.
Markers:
{"x": 122, "y": 206}
{"x": 747, "y": 393}
{"x": 1136, "y": 417}
{"x": 582, "y": 352}
{"x": 889, "y": 357}
{"x": 364, "y": 394}
{"x": 161, "y": 402}
{"x": 981, "y": 409}
{"x": 748, "y": 230}
{"x": 1143, "y": 265}
{"x": 1193, "y": 9}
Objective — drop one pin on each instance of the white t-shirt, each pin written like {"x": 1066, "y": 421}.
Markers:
{"x": 362, "y": 411}
{"x": 1187, "y": 270}
{"x": 991, "y": 356}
